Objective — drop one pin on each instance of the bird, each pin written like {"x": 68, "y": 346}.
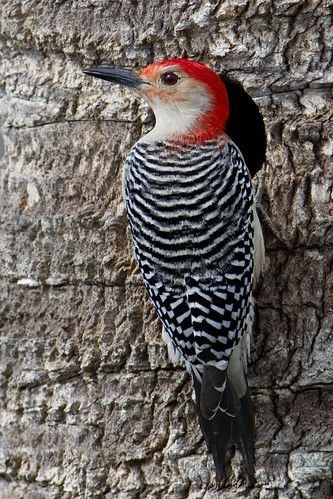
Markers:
{"x": 197, "y": 239}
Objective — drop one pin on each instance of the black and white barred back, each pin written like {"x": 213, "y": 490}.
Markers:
{"x": 190, "y": 209}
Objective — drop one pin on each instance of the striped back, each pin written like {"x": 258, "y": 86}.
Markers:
{"x": 189, "y": 207}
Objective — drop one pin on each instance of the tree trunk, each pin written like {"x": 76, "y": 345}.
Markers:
{"x": 90, "y": 405}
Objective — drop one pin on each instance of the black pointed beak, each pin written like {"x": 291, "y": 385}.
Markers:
{"x": 123, "y": 76}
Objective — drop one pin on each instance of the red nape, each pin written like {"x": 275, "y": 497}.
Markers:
{"x": 213, "y": 123}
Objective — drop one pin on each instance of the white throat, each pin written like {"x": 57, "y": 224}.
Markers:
{"x": 174, "y": 118}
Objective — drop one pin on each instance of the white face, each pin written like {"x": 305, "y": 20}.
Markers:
{"x": 177, "y": 100}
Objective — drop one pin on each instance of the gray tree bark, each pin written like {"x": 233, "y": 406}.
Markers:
{"x": 90, "y": 405}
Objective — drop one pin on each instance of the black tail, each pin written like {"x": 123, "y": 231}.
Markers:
{"x": 232, "y": 422}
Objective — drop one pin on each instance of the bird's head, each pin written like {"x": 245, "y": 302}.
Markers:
{"x": 189, "y": 100}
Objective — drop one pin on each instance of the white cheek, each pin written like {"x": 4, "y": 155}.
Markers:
{"x": 174, "y": 118}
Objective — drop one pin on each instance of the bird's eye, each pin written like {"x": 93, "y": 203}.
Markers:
{"x": 170, "y": 79}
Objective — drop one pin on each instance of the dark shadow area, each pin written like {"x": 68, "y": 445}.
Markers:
{"x": 245, "y": 125}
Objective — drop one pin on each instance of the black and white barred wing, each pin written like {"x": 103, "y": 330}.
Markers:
{"x": 205, "y": 319}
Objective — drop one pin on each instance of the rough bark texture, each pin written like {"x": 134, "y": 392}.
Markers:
{"x": 90, "y": 405}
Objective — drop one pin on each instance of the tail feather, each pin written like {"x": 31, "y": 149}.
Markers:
{"x": 221, "y": 445}
{"x": 217, "y": 442}
{"x": 244, "y": 434}
{"x": 232, "y": 422}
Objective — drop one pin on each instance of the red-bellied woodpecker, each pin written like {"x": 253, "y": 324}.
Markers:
{"x": 197, "y": 240}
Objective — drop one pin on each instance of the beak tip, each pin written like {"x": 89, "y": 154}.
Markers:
{"x": 87, "y": 71}
{"x": 123, "y": 76}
